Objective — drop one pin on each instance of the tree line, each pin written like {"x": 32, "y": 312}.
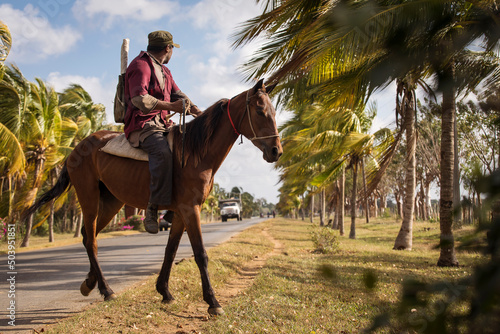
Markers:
{"x": 328, "y": 59}
{"x": 39, "y": 127}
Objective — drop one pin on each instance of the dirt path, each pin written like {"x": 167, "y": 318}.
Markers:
{"x": 194, "y": 317}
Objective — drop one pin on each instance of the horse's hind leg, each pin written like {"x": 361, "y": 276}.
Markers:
{"x": 174, "y": 238}
{"x": 107, "y": 209}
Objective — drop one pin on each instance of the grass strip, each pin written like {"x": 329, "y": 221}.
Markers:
{"x": 298, "y": 290}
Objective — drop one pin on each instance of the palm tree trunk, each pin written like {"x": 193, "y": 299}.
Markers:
{"x": 51, "y": 216}
{"x": 447, "y": 257}
{"x": 456, "y": 175}
{"x": 352, "y": 233}
{"x": 312, "y": 208}
{"x": 322, "y": 210}
{"x": 335, "y": 223}
{"x": 383, "y": 203}
{"x": 397, "y": 195}
{"x": 427, "y": 201}
{"x": 405, "y": 236}
{"x": 38, "y": 167}
{"x": 51, "y": 222}
{"x": 367, "y": 206}
{"x": 341, "y": 207}
{"x": 29, "y": 225}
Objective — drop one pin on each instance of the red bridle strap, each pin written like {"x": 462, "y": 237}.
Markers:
{"x": 230, "y": 119}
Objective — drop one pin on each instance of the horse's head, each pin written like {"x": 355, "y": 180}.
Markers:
{"x": 259, "y": 122}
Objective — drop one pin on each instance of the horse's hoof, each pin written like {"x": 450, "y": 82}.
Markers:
{"x": 168, "y": 301}
{"x": 215, "y": 311}
{"x": 110, "y": 297}
{"x": 84, "y": 289}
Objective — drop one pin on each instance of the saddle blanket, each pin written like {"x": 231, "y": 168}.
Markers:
{"x": 121, "y": 147}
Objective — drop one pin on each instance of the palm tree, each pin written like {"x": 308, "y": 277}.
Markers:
{"x": 76, "y": 104}
{"x": 5, "y": 45}
{"x": 43, "y": 143}
{"x": 407, "y": 108}
{"x": 14, "y": 100}
{"x": 315, "y": 152}
{"x": 12, "y": 161}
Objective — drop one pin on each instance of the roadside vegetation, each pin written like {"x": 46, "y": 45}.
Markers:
{"x": 298, "y": 290}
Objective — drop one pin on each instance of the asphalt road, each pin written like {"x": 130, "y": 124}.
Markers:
{"x": 47, "y": 282}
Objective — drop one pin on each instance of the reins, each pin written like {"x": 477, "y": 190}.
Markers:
{"x": 247, "y": 111}
{"x": 186, "y": 105}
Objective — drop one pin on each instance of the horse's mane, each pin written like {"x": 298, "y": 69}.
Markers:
{"x": 199, "y": 132}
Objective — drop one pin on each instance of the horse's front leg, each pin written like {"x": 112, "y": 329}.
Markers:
{"x": 193, "y": 227}
{"x": 174, "y": 239}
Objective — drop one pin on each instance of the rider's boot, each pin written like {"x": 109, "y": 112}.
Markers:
{"x": 151, "y": 220}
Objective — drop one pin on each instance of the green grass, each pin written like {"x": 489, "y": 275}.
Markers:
{"x": 297, "y": 291}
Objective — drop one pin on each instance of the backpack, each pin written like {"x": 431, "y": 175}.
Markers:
{"x": 120, "y": 106}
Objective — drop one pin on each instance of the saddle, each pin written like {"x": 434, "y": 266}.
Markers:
{"x": 121, "y": 147}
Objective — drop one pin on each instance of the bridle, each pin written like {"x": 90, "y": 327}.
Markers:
{"x": 247, "y": 111}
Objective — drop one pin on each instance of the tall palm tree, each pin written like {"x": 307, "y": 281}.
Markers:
{"x": 407, "y": 108}
{"x": 42, "y": 144}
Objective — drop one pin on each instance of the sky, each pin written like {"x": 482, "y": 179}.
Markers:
{"x": 78, "y": 41}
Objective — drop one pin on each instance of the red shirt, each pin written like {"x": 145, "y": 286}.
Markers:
{"x": 141, "y": 80}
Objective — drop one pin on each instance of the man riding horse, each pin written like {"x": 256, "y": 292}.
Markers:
{"x": 151, "y": 95}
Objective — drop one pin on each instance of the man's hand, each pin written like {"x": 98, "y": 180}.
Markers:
{"x": 195, "y": 111}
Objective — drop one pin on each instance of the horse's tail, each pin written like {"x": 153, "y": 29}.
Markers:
{"x": 63, "y": 182}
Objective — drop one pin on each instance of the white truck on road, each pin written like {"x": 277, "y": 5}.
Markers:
{"x": 230, "y": 208}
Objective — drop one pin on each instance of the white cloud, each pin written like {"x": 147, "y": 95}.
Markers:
{"x": 217, "y": 78}
{"x": 33, "y": 36}
{"x": 222, "y": 15}
{"x": 99, "y": 92}
{"x": 139, "y": 10}
{"x": 219, "y": 19}
{"x": 218, "y": 73}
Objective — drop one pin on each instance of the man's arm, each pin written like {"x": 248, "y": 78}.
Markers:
{"x": 146, "y": 103}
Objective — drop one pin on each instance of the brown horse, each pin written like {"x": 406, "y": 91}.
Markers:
{"x": 104, "y": 183}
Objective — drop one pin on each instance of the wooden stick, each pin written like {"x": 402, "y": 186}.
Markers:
{"x": 124, "y": 55}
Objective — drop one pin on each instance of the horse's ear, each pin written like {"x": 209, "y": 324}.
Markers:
{"x": 258, "y": 86}
{"x": 270, "y": 88}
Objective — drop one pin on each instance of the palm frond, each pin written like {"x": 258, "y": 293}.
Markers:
{"x": 12, "y": 153}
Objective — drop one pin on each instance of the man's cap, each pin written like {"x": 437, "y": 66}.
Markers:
{"x": 161, "y": 38}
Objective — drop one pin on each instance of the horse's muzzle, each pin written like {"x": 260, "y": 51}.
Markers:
{"x": 273, "y": 154}
{"x": 276, "y": 153}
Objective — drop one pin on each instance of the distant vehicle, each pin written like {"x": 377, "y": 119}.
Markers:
{"x": 230, "y": 208}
